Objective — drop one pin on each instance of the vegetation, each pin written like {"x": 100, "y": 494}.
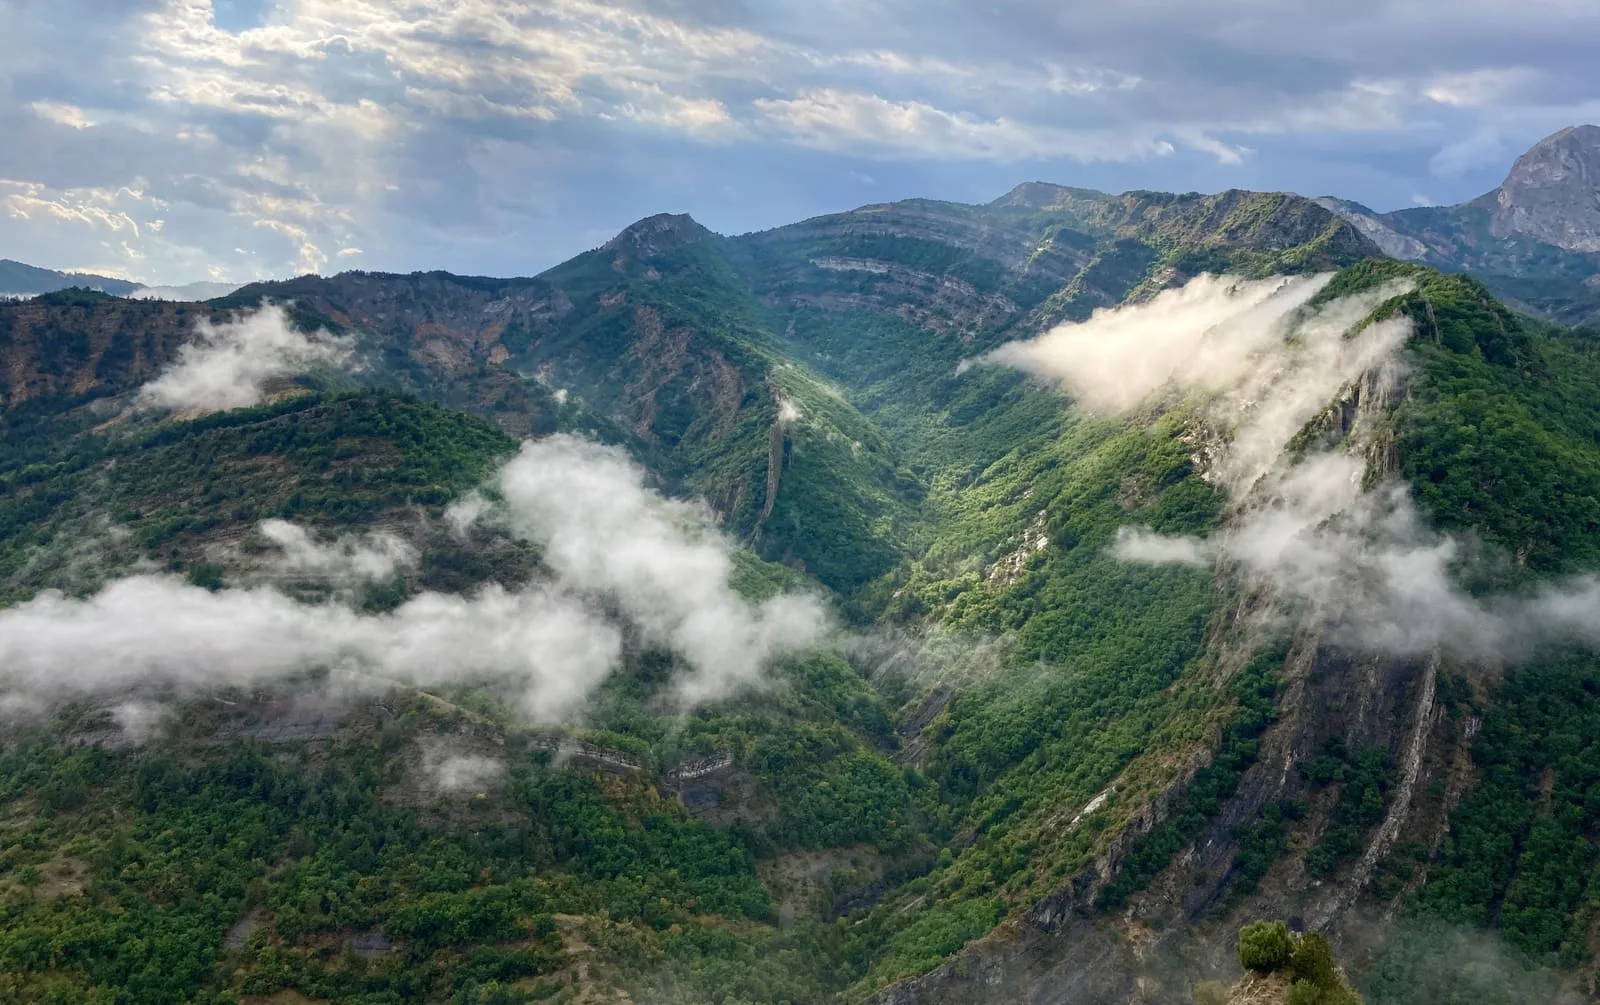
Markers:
{"x": 870, "y": 817}
{"x": 1306, "y": 960}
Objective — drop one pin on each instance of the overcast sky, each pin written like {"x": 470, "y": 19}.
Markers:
{"x": 178, "y": 140}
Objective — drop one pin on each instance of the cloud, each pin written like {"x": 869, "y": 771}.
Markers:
{"x": 1263, "y": 365}
{"x": 1269, "y": 361}
{"x": 829, "y": 119}
{"x": 324, "y": 126}
{"x": 546, "y": 649}
{"x": 454, "y": 771}
{"x": 1365, "y": 564}
{"x": 1146, "y": 547}
{"x": 347, "y": 561}
{"x": 622, "y": 559}
{"x": 603, "y": 533}
{"x": 229, "y": 365}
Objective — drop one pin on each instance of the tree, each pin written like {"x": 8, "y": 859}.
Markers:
{"x": 1265, "y": 946}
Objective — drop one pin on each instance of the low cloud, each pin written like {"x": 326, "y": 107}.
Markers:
{"x": 547, "y": 649}
{"x": 603, "y": 533}
{"x": 1146, "y": 547}
{"x": 1266, "y": 362}
{"x": 453, "y": 771}
{"x": 1340, "y": 540}
{"x": 229, "y": 365}
{"x": 347, "y": 561}
{"x": 622, "y": 557}
{"x": 1366, "y": 565}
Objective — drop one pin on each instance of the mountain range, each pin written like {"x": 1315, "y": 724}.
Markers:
{"x": 1535, "y": 240}
{"x": 928, "y": 603}
{"x": 18, "y": 280}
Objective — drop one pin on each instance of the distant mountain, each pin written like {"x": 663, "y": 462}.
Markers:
{"x": 1535, "y": 240}
{"x": 20, "y": 280}
{"x": 184, "y": 293}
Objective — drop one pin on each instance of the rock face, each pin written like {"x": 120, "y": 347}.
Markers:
{"x": 1534, "y": 240}
{"x": 1370, "y": 223}
{"x": 1553, "y": 192}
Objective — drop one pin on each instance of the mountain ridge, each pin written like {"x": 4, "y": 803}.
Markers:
{"x": 1534, "y": 239}
{"x": 1038, "y": 769}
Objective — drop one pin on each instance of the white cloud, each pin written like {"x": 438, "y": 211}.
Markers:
{"x": 545, "y": 648}
{"x": 321, "y": 127}
{"x": 1270, "y": 361}
{"x": 346, "y": 561}
{"x": 63, "y": 114}
{"x": 457, "y": 771}
{"x": 831, "y": 119}
{"x": 620, "y": 557}
{"x": 602, "y": 532}
{"x": 1262, "y": 365}
{"x": 230, "y": 365}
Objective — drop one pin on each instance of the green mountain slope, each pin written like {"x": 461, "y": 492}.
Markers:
{"x": 1033, "y": 770}
{"x": 655, "y": 336}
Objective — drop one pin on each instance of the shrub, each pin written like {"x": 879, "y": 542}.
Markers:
{"x": 1265, "y": 946}
{"x": 1313, "y": 961}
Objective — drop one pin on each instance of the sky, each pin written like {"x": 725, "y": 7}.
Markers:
{"x": 172, "y": 141}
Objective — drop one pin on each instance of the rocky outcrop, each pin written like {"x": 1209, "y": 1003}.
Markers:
{"x": 1373, "y": 224}
{"x": 1553, "y": 192}
{"x": 657, "y": 235}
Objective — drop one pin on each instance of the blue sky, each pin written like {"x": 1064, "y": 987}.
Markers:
{"x": 179, "y": 140}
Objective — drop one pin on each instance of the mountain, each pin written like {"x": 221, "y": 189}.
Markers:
{"x": 1535, "y": 240}
{"x": 19, "y": 280}
{"x": 188, "y": 291}
{"x": 1133, "y": 640}
{"x": 1553, "y": 192}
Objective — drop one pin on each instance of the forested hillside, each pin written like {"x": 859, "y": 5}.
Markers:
{"x": 1040, "y": 702}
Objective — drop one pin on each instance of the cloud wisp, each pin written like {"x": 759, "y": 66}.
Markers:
{"x": 603, "y": 533}
{"x": 344, "y": 562}
{"x": 1365, "y": 564}
{"x": 231, "y": 364}
{"x": 622, "y": 557}
{"x": 1339, "y": 538}
{"x": 1265, "y": 360}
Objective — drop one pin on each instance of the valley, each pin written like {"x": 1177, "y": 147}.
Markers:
{"x": 939, "y": 661}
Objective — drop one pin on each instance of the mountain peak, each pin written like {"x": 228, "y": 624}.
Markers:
{"x": 659, "y": 234}
{"x": 1553, "y": 192}
{"x": 1045, "y": 195}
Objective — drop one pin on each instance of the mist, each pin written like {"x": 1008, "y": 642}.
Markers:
{"x": 453, "y": 771}
{"x": 1264, "y": 362}
{"x": 1366, "y": 565}
{"x": 347, "y": 561}
{"x": 604, "y": 533}
{"x": 622, "y": 559}
{"x": 1340, "y": 540}
{"x": 230, "y": 365}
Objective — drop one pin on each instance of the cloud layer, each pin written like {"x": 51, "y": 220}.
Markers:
{"x": 174, "y": 140}
{"x": 230, "y": 365}
{"x": 622, "y": 558}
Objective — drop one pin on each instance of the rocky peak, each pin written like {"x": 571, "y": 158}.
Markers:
{"x": 1553, "y": 192}
{"x": 1042, "y": 195}
{"x": 659, "y": 234}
